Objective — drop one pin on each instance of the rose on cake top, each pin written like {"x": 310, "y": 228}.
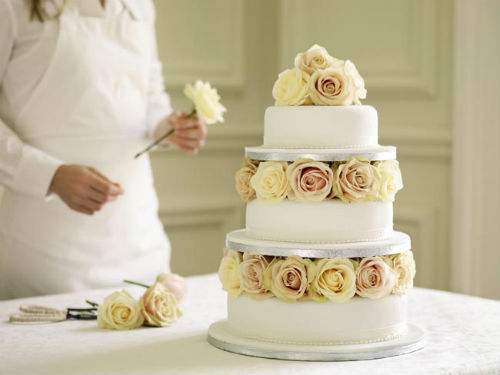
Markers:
{"x": 319, "y": 79}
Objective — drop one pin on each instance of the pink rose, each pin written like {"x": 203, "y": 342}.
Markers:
{"x": 251, "y": 271}
{"x": 357, "y": 180}
{"x": 159, "y": 306}
{"x": 374, "y": 278}
{"x": 310, "y": 181}
{"x": 331, "y": 86}
{"x": 288, "y": 279}
{"x": 174, "y": 283}
{"x": 315, "y": 58}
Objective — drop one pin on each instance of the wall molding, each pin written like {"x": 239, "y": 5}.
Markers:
{"x": 233, "y": 138}
{"x": 419, "y": 142}
{"x": 228, "y": 73}
{"x": 410, "y": 142}
{"x": 187, "y": 214}
{"x": 414, "y": 78}
{"x": 423, "y": 219}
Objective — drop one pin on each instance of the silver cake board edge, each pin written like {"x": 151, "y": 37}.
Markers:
{"x": 399, "y": 242}
{"x": 377, "y": 152}
{"x": 413, "y": 340}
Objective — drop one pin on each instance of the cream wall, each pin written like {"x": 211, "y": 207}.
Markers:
{"x": 476, "y": 144}
{"x": 231, "y": 43}
{"x": 404, "y": 50}
{"x": 413, "y": 55}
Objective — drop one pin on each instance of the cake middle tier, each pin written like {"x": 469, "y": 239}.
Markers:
{"x": 327, "y": 221}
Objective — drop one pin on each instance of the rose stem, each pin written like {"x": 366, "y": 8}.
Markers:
{"x": 190, "y": 114}
{"x": 154, "y": 143}
{"x": 136, "y": 283}
{"x": 93, "y": 304}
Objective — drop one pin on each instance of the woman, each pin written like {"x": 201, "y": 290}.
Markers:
{"x": 81, "y": 92}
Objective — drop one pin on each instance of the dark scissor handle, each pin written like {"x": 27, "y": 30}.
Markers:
{"x": 89, "y": 313}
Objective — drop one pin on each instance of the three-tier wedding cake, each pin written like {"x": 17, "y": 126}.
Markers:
{"x": 318, "y": 272}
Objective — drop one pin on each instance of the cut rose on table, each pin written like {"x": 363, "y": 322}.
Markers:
{"x": 157, "y": 307}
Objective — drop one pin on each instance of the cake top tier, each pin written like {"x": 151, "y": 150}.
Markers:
{"x": 313, "y": 105}
{"x": 321, "y": 127}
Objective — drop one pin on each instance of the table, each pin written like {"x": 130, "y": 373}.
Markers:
{"x": 463, "y": 338}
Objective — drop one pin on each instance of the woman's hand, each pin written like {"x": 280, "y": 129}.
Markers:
{"x": 189, "y": 133}
{"x": 83, "y": 188}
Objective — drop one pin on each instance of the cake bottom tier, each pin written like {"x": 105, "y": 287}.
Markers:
{"x": 360, "y": 320}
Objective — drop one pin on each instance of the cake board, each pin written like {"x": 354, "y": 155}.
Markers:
{"x": 221, "y": 336}
{"x": 263, "y": 153}
{"x": 239, "y": 240}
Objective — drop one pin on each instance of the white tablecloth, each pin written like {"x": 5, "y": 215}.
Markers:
{"x": 463, "y": 338}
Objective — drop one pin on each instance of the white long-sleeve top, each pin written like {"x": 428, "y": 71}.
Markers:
{"x": 24, "y": 168}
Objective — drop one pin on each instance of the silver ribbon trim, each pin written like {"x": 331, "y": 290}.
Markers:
{"x": 281, "y": 154}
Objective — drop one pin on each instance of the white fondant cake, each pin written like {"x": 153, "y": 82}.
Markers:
{"x": 320, "y": 126}
{"x": 319, "y": 221}
{"x": 359, "y": 320}
{"x": 327, "y": 221}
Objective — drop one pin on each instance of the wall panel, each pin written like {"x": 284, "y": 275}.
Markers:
{"x": 201, "y": 39}
{"x": 401, "y": 47}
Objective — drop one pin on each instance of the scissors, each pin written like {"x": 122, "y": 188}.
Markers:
{"x": 41, "y": 314}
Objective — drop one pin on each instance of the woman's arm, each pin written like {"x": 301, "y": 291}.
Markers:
{"x": 28, "y": 170}
{"x": 22, "y": 167}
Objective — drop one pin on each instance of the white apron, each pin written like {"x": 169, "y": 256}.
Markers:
{"x": 89, "y": 108}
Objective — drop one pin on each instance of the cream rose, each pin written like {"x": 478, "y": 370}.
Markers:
{"x": 206, "y": 101}
{"x": 333, "y": 279}
{"x": 251, "y": 272}
{"x": 229, "y": 272}
{"x": 119, "y": 310}
{"x": 270, "y": 182}
{"x": 374, "y": 278}
{"x": 159, "y": 306}
{"x": 356, "y": 181}
{"x": 331, "y": 86}
{"x": 174, "y": 283}
{"x": 390, "y": 179}
{"x": 288, "y": 279}
{"x": 357, "y": 80}
{"x": 310, "y": 181}
{"x": 404, "y": 266}
{"x": 315, "y": 58}
{"x": 291, "y": 88}
{"x": 242, "y": 180}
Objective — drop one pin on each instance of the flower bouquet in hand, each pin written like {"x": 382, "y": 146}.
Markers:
{"x": 206, "y": 104}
